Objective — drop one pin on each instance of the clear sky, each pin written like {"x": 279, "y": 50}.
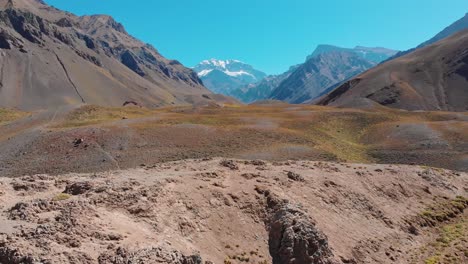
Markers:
{"x": 272, "y": 35}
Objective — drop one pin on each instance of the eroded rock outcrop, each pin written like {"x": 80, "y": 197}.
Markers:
{"x": 13, "y": 256}
{"x": 150, "y": 255}
{"x": 293, "y": 235}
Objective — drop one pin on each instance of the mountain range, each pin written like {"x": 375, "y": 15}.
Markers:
{"x": 327, "y": 66}
{"x": 403, "y": 79}
{"x": 50, "y": 58}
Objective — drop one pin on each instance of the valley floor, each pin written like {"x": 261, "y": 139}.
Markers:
{"x": 119, "y": 138}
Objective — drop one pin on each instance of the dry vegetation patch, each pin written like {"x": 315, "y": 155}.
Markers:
{"x": 7, "y": 115}
{"x": 128, "y": 136}
{"x": 93, "y": 115}
{"x": 448, "y": 244}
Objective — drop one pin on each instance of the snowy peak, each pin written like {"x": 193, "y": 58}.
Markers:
{"x": 224, "y": 76}
{"x": 220, "y": 63}
{"x": 232, "y": 68}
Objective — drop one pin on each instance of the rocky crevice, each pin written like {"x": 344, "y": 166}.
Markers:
{"x": 386, "y": 96}
{"x": 149, "y": 255}
{"x": 69, "y": 78}
{"x": 13, "y": 256}
{"x": 293, "y": 235}
{"x": 338, "y": 92}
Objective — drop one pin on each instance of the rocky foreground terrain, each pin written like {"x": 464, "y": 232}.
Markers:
{"x": 237, "y": 211}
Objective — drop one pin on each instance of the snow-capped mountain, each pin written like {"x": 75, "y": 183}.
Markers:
{"x": 225, "y": 76}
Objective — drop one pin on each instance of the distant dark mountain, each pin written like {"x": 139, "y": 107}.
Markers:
{"x": 434, "y": 77}
{"x": 376, "y": 55}
{"x": 261, "y": 90}
{"x": 225, "y": 76}
{"x": 458, "y": 26}
{"x": 322, "y": 70}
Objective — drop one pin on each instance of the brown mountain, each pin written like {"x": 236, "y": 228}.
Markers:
{"x": 434, "y": 77}
{"x": 50, "y": 58}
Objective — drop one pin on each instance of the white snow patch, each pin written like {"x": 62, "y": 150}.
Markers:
{"x": 238, "y": 73}
{"x": 204, "y": 73}
{"x": 219, "y": 63}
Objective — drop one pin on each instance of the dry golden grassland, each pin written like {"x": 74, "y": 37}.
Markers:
{"x": 347, "y": 134}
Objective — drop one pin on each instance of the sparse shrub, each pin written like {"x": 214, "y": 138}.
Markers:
{"x": 444, "y": 211}
{"x": 61, "y": 197}
{"x": 432, "y": 260}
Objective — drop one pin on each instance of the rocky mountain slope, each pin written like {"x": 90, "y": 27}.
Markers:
{"x": 237, "y": 211}
{"x": 318, "y": 73}
{"x": 50, "y": 58}
{"x": 431, "y": 78}
{"x": 224, "y": 76}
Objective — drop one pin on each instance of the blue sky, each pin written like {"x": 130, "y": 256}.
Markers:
{"x": 272, "y": 35}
